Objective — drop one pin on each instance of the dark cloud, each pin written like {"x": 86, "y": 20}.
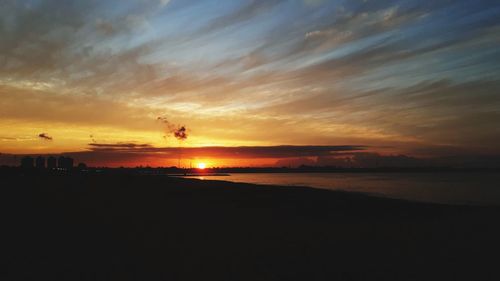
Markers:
{"x": 375, "y": 160}
{"x": 178, "y": 131}
{"x": 284, "y": 151}
{"x": 45, "y": 136}
{"x": 131, "y": 147}
{"x": 129, "y": 154}
{"x": 295, "y": 162}
{"x": 358, "y": 159}
{"x": 134, "y": 154}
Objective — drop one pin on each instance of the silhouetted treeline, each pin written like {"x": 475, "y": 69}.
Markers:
{"x": 315, "y": 169}
{"x": 82, "y": 168}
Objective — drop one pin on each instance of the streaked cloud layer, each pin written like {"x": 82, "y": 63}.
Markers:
{"x": 408, "y": 75}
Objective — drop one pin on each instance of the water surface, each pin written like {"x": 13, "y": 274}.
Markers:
{"x": 473, "y": 188}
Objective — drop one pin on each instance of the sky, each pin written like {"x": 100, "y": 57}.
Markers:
{"x": 311, "y": 79}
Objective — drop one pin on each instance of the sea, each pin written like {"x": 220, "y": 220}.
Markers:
{"x": 469, "y": 188}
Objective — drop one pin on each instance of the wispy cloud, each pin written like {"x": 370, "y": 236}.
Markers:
{"x": 245, "y": 12}
{"x": 375, "y": 72}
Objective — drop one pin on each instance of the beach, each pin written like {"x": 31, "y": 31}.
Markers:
{"x": 136, "y": 227}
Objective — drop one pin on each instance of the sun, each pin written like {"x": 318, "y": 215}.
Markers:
{"x": 202, "y": 166}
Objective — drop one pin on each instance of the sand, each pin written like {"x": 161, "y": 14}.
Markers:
{"x": 132, "y": 227}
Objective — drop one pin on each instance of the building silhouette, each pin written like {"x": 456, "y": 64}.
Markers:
{"x": 65, "y": 163}
{"x": 62, "y": 163}
{"x": 40, "y": 162}
{"x": 51, "y": 163}
{"x": 27, "y": 162}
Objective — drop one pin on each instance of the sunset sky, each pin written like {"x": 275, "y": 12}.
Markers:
{"x": 245, "y": 77}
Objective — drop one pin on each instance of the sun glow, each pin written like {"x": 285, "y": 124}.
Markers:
{"x": 202, "y": 166}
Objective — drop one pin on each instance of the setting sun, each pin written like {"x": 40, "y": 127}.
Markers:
{"x": 202, "y": 166}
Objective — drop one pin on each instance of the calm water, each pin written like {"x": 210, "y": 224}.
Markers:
{"x": 451, "y": 188}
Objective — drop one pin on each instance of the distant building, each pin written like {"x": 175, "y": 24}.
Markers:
{"x": 27, "y": 162}
{"x": 51, "y": 163}
{"x": 65, "y": 163}
{"x": 40, "y": 162}
{"x": 82, "y": 166}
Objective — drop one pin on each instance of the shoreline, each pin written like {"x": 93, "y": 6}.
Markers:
{"x": 374, "y": 196}
{"x": 364, "y": 187}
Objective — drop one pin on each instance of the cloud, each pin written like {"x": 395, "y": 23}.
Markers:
{"x": 375, "y": 72}
{"x": 363, "y": 160}
{"x": 295, "y": 162}
{"x": 338, "y": 28}
{"x": 164, "y": 3}
{"x": 314, "y": 2}
{"x": 248, "y": 11}
{"x": 17, "y": 138}
{"x": 179, "y": 132}
{"x": 24, "y": 104}
{"x": 240, "y": 152}
{"x": 134, "y": 154}
{"x": 45, "y": 136}
{"x": 131, "y": 147}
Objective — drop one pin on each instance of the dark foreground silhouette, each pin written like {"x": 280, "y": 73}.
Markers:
{"x": 133, "y": 227}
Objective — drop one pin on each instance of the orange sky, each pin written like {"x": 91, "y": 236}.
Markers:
{"x": 303, "y": 73}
